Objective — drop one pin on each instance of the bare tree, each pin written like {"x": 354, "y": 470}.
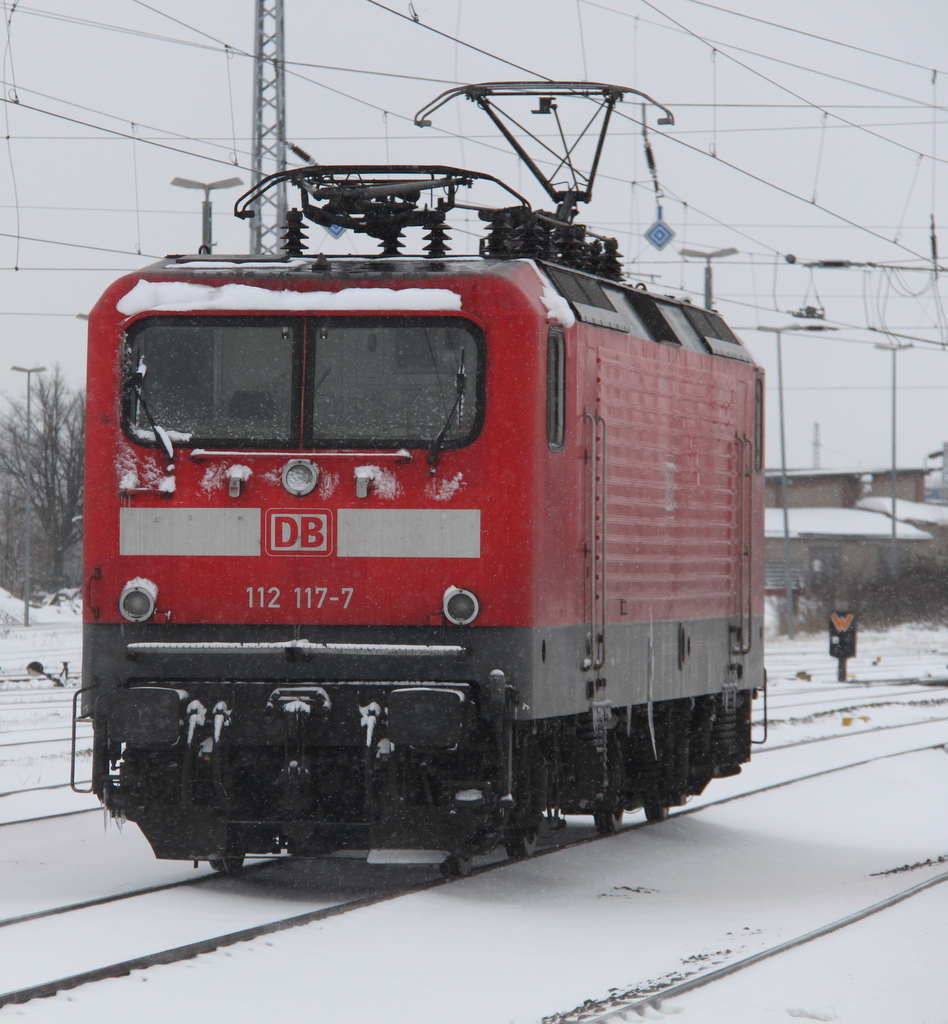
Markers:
{"x": 56, "y": 468}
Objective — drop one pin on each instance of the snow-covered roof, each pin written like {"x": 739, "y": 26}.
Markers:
{"x": 907, "y": 511}
{"x": 838, "y": 522}
{"x": 803, "y": 473}
{"x": 182, "y": 295}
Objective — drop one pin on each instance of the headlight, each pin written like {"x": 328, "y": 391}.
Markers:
{"x": 460, "y": 606}
{"x": 137, "y": 600}
{"x": 300, "y": 477}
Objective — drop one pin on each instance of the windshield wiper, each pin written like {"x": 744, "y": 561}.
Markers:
{"x": 460, "y": 386}
{"x": 161, "y": 435}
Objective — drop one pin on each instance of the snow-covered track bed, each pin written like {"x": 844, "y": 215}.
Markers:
{"x": 35, "y": 730}
{"x": 628, "y": 1007}
{"x": 184, "y": 911}
{"x": 192, "y": 915}
{"x": 801, "y": 711}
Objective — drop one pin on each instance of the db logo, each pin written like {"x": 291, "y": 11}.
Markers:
{"x": 298, "y": 533}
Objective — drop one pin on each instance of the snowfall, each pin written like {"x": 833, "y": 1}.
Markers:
{"x": 815, "y": 831}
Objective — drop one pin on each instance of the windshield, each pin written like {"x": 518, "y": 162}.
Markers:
{"x": 216, "y": 379}
{"x": 389, "y": 382}
{"x": 392, "y": 381}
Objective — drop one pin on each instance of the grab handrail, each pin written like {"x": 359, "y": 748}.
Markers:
{"x": 72, "y": 758}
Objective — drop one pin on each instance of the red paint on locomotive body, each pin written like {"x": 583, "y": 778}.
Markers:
{"x": 675, "y": 419}
{"x": 488, "y": 475}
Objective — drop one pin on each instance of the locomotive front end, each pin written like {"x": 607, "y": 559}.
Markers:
{"x": 295, "y": 639}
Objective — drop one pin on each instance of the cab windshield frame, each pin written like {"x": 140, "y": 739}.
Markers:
{"x": 303, "y": 337}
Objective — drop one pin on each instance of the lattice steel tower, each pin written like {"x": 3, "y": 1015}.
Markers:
{"x": 269, "y": 125}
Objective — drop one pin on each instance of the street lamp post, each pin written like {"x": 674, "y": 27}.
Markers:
{"x": 708, "y": 257}
{"x": 206, "y": 242}
{"x": 29, "y": 490}
{"x": 894, "y": 348}
{"x": 784, "y": 488}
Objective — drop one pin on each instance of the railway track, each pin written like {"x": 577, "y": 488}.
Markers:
{"x": 757, "y": 753}
{"x": 173, "y": 953}
{"x": 852, "y": 699}
{"x": 630, "y": 1006}
{"x": 34, "y": 743}
{"x": 187, "y": 950}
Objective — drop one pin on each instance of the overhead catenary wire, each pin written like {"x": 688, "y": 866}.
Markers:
{"x": 223, "y": 142}
{"x": 75, "y": 245}
{"x": 778, "y": 85}
{"x": 811, "y": 35}
{"x": 113, "y": 117}
{"x": 221, "y": 46}
{"x": 780, "y": 188}
{"x": 357, "y": 99}
{"x": 671, "y": 136}
{"x": 764, "y": 56}
{"x": 112, "y": 131}
{"x": 470, "y": 46}
{"x": 459, "y": 41}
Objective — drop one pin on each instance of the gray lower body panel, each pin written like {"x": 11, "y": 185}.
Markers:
{"x": 644, "y": 661}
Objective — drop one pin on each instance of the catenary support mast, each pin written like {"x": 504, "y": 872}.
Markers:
{"x": 269, "y": 125}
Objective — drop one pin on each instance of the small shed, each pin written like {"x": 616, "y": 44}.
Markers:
{"x": 932, "y": 519}
{"x": 831, "y": 544}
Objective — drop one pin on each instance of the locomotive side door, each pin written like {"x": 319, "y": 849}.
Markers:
{"x": 594, "y": 493}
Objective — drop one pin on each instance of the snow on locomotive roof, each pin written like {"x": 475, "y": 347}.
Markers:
{"x": 557, "y": 308}
{"x": 568, "y": 295}
{"x": 179, "y": 296}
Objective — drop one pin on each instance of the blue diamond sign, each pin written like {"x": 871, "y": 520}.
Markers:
{"x": 336, "y": 230}
{"x": 659, "y": 234}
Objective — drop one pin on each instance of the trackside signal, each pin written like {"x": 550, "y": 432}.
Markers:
{"x": 842, "y": 637}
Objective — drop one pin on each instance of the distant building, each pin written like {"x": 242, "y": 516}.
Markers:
{"x": 838, "y": 488}
{"x": 841, "y": 527}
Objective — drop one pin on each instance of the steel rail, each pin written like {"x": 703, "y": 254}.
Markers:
{"x": 853, "y": 686}
{"x": 40, "y": 789}
{"x": 654, "y": 1001}
{"x": 30, "y": 743}
{"x": 763, "y": 750}
{"x": 844, "y": 736}
{"x": 192, "y": 949}
{"x": 49, "y": 817}
{"x": 31, "y": 728}
{"x": 872, "y": 700}
{"x": 117, "y": 897}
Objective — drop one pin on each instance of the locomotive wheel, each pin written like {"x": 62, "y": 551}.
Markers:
{"x": 456, "y": 866}
{"x": 608, "y": 822}
{"x": 520, "y": 845}
{"x": 230, "y": 865}
{"x": 656, "y": 812}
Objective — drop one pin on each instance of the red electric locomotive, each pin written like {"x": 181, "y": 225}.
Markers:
{"x": 412, "y": 555}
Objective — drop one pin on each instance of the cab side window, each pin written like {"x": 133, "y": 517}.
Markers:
{"x": 556, "y": 389}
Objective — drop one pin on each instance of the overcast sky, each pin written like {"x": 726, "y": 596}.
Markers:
{"x": 783, "y": 144}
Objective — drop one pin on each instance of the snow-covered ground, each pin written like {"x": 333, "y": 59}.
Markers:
{"x": 35, "y": 719}
{"x": 538, "y": 939}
